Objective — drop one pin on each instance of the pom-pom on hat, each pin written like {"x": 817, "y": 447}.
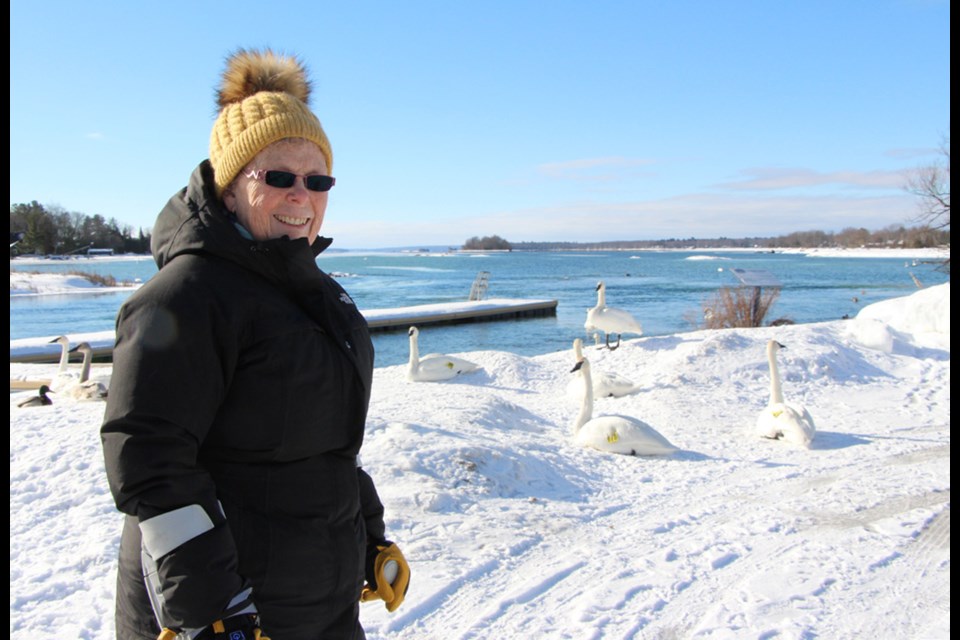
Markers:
{"x": 263, "y": 98}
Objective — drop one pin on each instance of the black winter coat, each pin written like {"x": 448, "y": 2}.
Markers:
{"x": 241, "y": 380}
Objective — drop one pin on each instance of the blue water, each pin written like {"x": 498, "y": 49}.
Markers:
{"x": 664, "y": 290}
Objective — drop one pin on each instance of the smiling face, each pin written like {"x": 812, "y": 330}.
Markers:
{"x": 269, "y": 212}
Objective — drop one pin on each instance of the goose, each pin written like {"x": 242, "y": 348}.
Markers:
{"x": 605, "y": 383}
{"x": 783, "y": 420}
{"x": 434, "y": 366}
{"x": 610, "y": 320}
{"x": 38, "y": 400}
{"x": 84, "y": 388}
{"x": 615, "y": 433}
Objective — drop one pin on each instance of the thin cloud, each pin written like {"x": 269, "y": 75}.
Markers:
{"x": 770, "y": 179}
{"x": 701, "y": 216}
{"x": 911, "y": 154}
{"x": 696, "y": 215}
{"x": 94, "y": 135}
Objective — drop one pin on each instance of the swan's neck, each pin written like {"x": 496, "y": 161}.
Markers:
{"x": 414, "y": 361}
{"x": 776, "y": 393}
{"x": 586, "y": 406}
{"x": 601, "y": 297}
{"x": 87, "y": 362}
{"x": 64, "y": 359}
{"x": 578, "y": 350}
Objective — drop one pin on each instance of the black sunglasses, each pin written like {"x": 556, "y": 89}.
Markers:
{"x": 286, "y": 179}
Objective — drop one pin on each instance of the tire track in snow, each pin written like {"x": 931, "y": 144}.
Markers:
{"x": 705, "y": 570}
{"x": 558, "y": 567}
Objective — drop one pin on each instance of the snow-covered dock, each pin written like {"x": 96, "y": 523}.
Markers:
{"x": 40, "y": 350}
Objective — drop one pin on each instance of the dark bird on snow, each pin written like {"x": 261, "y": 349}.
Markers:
{"x": 38, "y": 400}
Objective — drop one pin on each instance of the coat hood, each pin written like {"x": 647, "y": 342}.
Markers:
{"x": 194, "y": 221}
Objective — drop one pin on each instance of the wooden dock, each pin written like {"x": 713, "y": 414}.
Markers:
{"x": 402, "y": 318}
{"x": 380, "y": 320}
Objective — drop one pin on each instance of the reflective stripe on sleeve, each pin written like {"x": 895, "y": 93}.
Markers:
{"x": 164, "y": 533}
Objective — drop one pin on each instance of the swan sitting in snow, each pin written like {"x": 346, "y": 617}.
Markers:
{"x": 84, "y": 388}
{"x": 64, "y": 343}
{"x": 605, "y": 383}
{"x": 610, "y": 320}
{"x": 434, "y": 367}
{"x": 783, "y": 420}
{"x": 614, "y": 433}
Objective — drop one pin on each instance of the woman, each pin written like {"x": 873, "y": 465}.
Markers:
{"x": 239, "y": 393}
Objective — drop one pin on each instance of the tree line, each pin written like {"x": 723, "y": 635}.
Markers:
{"x": 893, "y": 236}
{"x": 35, "y": 229}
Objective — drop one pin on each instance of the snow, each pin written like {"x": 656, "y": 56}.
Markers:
{"x": 513, "y": 532}
{"x": 32, "y": 284}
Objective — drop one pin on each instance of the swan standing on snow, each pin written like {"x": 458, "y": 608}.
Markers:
{"x": 434, "y": 366}
{"x": 782, "y": 420}
{"x": 84, "y": 388}
{"x": 610, "y": 320}
{"x": 613, "y": 433}
{"x": 605, "y": 383}
{"x": 38, "y": 400}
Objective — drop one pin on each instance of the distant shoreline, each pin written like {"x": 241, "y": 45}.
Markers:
{"x": 934, "y": 253}
{"x": 925, "y": 253}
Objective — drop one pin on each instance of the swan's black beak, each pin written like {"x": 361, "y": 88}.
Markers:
{"x": 782, "y": 346}
{"x": 577, "y": 366}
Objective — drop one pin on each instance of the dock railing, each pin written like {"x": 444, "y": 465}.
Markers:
{"x": 480, "y": 285}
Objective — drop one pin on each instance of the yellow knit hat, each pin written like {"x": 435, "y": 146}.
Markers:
{"x": 262, "y": 99}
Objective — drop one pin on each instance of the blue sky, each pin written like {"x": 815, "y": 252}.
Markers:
{"x": 554, "y": 121}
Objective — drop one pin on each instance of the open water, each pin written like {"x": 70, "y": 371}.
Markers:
{"x": 664, "y": 290}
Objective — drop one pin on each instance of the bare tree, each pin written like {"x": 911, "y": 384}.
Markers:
{"x": 931, "y": 184}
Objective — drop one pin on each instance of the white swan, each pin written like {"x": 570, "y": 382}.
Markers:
{"x": 63, "y": 378}
{"x": 83, "y": 388}
{"x": 434, "y": 366}
{"x": 605, "y": 383}
{"x": 610, "y": 320}
{"x": 64, "y": 343}
{"x": 614, "y": 433}
{"x": 782, "y": 420}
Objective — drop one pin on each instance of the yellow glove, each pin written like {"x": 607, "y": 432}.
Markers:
{"x": 241, "y": 626}
{"x": 391, "y": 578}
